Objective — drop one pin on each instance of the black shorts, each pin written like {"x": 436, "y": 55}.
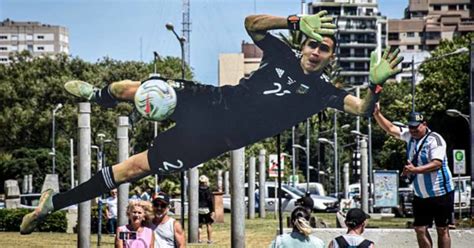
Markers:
{"x": 439, "y": 209}
{"x": 199, "y": 133}
{"x": 205, "y": 219}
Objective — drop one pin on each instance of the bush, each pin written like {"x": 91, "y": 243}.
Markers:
{"x": 10, "y": 220}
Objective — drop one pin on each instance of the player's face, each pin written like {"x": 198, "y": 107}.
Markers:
{"x": 316, "y": 55}
{"x": 419, "y": 131}
{"x": 160, "y": 209}
{"x": 137, "y": 214}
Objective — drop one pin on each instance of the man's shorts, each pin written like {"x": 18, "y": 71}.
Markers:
{"x": 439, "y": 209}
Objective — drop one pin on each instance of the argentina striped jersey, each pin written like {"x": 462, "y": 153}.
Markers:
{"x": 434, "y": 183}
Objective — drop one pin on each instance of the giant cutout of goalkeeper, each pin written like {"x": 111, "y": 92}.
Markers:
{"x": 286, "y": 89}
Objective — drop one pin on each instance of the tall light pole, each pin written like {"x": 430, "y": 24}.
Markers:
{"x": 181, "y": 40}
{"x": 100, "y": 164}
{"x": 307, "y": 163}
{"x": 53, "y": 149}
{"x": 336, "y": 180}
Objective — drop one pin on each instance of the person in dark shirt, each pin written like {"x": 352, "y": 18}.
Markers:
{"x": 287, "y": 88}
{"x": 206, "y": 208}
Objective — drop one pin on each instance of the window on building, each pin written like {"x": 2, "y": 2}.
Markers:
{"x": 3, "y": 48}
{"x": 406, "y": 65}
{"x": 406, "y": 78}
{"x": 452, "y": 7}
{"x": 433, "y": 35}
{"x": 29, "y": 37}
{"x": 410, "y": 34}
{"x": 14, "y": 37}
{"x": 4, "y": 59}
{"x": 3, "y": 37}
{"x": 345, "y": 65}
{"x": 30, "y": 48}
{"x": 410, "y": 47}
{"x": 40, "y": 37}
{"x": 40, "y": 48}
{"x": 14, "y": 48}
{"x": 393, "y": 36}
{"x": 437, "y": 7}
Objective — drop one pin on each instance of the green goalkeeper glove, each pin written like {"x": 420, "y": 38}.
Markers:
{"x": 385, "y": 68}
{"x": 313, "y": 26}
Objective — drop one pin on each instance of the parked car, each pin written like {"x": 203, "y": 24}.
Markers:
{"x": 314, "y": 188}
{"x": 289, "y": 196}
{"x": 405, "y": 199}
{"x": 462, "y": 194}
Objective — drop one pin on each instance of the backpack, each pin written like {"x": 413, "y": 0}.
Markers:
{"x": 342, "y": 243}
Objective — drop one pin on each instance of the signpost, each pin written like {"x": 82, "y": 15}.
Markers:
{"x": 459, "y": 158}
{"x": 273, "y": 172}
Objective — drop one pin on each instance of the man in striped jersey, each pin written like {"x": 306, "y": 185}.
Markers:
{"x": 427, "y": 166}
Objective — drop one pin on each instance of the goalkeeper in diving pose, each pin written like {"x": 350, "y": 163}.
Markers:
{"x": 213, "y": 120}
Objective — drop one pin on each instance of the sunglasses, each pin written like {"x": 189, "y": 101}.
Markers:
{"x": 160, "y": 205}
{"x": 322, "y": 47}
{"x": 413, "y": 127}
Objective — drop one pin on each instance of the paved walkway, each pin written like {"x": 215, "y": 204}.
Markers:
{"x": 395, "y": 238}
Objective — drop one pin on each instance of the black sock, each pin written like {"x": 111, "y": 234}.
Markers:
{"x": 105, "y": 99}
{"x": 100, "y": 183}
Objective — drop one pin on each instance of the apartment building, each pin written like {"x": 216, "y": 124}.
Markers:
{"x": 234, "y": 66}
{"x": 39, "y": 39}
{"x": 425, "y": 24}
{"x": 361, "y": 29}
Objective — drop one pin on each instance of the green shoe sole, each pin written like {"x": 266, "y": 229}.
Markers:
{"x": 81, "y": 89}
{"x": 45, "y": 206}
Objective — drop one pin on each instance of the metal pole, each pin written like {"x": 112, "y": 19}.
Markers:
{"x": 123, "y": 149}
{"x": 193, "y": 218}
{"x": 261, "y": 183}
{"x": 413, "y": 83}
{"x": 345, "y": 170}
{"x": 336, "y": 165}
{"x": 226, "y": 183}
{"x": 183, "y": 189}
{"x": 71, "y": 156}
{"x": 219, "y": 181}
{"x": 54, "y": 145}
{"x": 293, "y": 155}
{"x": 280, "y": 217}
{"x": 84, "y": 168}
{"x": 238, "y": 198}
{"x": 100, "y": 164}
{"x": 364, "y": 176}
{"x": 369, "y": 147}
{"x": 307, "y": 155}
{"x": 155, "y": 133}
{"x": 251, "y": 188}
{"x": 471, "y": 114}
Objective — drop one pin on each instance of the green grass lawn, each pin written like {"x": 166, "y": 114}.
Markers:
{"x": 258, "y": 233}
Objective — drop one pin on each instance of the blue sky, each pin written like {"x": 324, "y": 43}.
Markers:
{"x": 114, "y": 28}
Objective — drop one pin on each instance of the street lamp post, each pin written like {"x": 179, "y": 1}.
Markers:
{"x": 307, "y": 163}
{"x": 53, "y": 149}
{"x": 336, "y": 181}
{"x": 181, "y": 40}
{"x": 100, "y": 164}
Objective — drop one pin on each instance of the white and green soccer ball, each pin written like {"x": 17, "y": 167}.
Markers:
{"x": 155, "y": 99}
